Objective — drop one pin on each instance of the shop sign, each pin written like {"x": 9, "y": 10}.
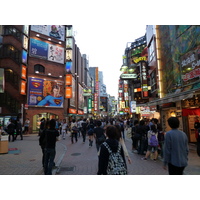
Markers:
{"x": 137, "y": 60}
{"x": 72, "y": 111}
{"x": 128, "y": 76}
{"x": 80, "y": 112}
{"x": 190, "y": 65}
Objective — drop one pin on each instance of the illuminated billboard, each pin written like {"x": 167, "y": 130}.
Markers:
{"x": 46, "y": 93}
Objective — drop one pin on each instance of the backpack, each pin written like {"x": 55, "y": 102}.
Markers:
{"x": 90, "y": 131}
{"x": 153, "y": 141}
{"x": 116, "y": 164}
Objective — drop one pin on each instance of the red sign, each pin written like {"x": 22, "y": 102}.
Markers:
{"x": 80, "y": 112}
{"x": 72, "y": 111}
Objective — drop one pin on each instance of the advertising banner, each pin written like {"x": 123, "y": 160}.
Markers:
{"x": 38, "y": 49}
{"x": 55, "y": 53}
{"x": 43, "y": 50}
{"x": 80, "y": 97}
{"x": 72, "y": 99}
{"x": 45, "y": 93}
{"x": 54, "y": 31}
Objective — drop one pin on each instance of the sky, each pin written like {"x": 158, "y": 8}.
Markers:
{"x": 102, "y": 28}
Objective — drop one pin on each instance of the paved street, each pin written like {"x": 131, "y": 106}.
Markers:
{"x": 77, "y": 159}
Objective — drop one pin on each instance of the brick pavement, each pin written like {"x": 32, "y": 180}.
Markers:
{"x": 78, "y": 159}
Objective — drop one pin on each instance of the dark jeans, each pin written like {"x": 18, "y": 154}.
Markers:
{"x": 74, "y": 135}
{"x": 141, "y": 147}
{"x": 83, "y": 135}
{"x": 13, "y": 137}
{"x": 43, "y": 155}
{"x": 19, "y": 132}
{"x": 49, "y": 160}
{"x": 173, "y": 170}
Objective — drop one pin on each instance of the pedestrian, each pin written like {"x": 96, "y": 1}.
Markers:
{"x": 42, "y": 123}
{"x": 18, "y": 128}
{"x": 142, "y": 131}
{"x": 196, "y": 126}
{"x": 175, "y": 148}
{"x": 42, "y": 140}
{"x": 79, "y": 127}
{"x": 74, "y": 131}
{"x": 111, "y": 157}
{"x": 26, "y": 126}
{"x": 51, "y": 135}
{"x": 135, "y": 136}
{"x": 99, "y": 135}
{"x": 64, "y": 129}
{"x": 84, "y": 129}
{"x": 152, "y": 143}
{"x": 121, "y": 141}
{"x": 122, "y": 128}
{"x": 11, "y": 130}
{"x": 90, "y": 132}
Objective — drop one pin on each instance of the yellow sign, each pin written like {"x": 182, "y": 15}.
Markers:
{"x": 137, "y": 60}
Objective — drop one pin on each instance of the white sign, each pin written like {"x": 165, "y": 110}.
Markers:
{"x": 128, "y": 76}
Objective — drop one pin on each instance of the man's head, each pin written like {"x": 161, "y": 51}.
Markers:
{"x": 173, "y": 122}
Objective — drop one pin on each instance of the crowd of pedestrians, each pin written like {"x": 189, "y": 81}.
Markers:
{"x": 147, "y": 136}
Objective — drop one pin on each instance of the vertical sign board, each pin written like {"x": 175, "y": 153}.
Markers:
{"x": 96, "y": 89}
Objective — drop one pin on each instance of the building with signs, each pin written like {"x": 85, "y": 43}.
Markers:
{"x": 134, "y": 80}
{"x": 41, "y": 71}
{"x": 175, "y": 50}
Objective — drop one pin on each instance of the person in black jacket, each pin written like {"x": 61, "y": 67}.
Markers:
{"x": 51, "y": 135}
{"x": 11, "y": 130}
{"x": 113, "y": 143}
{"x": 142, "y": 131}
{"x": 42, "y": 140}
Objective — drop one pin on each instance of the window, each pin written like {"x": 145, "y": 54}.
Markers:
{"x": 10, "y": 51}
{"x": 11, "y": 30}
{"x": 39, "y": 68}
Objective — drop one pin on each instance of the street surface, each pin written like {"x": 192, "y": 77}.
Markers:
{"x": 24, "y": 158}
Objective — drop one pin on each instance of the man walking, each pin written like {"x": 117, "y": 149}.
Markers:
{"x": 175, "y": 148}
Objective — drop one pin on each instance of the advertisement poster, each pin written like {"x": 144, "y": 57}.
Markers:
{"x": 72, "y": 100}
{"x": 55, "y": 54}
{"x": 46, "y": 51}
{"x": 80, "y": 97}
{"x": 54, "y": 31}
{"x": 38, "y": 49}
{"x": 45, "y": 93}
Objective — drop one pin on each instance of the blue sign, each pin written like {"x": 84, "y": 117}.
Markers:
{"x": 68, "y": 66}
{"x": 38, "y": 49}
{"x": 24, "y": 57}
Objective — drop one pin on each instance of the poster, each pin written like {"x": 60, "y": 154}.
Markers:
{"x": 55, "y": 53}
{"x": 38, "y": 49}
{"x": 54, "y": 31}
{"x": 45, "y": 93}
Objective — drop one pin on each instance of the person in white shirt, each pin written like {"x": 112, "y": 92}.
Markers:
{"x": 64, "y": 129}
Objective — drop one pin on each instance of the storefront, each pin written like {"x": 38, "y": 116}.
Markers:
{"x": 37, "y": 120}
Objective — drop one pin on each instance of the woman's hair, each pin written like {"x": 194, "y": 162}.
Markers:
{"x": 142, "y": 122}
{"x": 119, "y": 134}
{"x": 111, "y": 132}
{"x": 73, "y": 120}
{"x": 153, "y": 128}
{"x": 173, "y": 122}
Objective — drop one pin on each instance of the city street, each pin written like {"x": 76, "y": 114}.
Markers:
{"x": 24, "y": 158}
